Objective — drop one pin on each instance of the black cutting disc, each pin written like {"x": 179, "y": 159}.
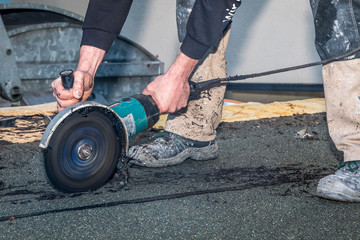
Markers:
{"x": 83, "y": 151}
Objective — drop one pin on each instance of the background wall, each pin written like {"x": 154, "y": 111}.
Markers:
{"x": 266, "y": 34}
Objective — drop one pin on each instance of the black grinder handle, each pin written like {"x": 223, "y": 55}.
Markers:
{"x": 67, "y": 78}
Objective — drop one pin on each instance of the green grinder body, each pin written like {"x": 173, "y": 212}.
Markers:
{"x": 138, "y": 112}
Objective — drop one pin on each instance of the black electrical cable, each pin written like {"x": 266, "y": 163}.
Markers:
{"x": 197, "y": 87}
{"x": 323, "y": 62}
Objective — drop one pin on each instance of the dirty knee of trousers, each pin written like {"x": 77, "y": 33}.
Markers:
{"x": 203, "y": 115}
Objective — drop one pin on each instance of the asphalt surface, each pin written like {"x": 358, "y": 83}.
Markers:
{"x": 262, "y": 186}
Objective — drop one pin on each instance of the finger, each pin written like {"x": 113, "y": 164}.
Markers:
{"x": 86, "y": 78}
{"x": 64, "y": 95}
{"x": 88, "y": 82}
{"x": 185, "y": 101}
{"x": 66, "y": 103}
{"x": 154, "y": 97}
{"x": 63, "y": 102}
{"x": 161, "y": 108}
{"x": 59, "y": 103}
{"x": 172, "y": 109}
{"x": 56, "y": 96}
{"x": 80, "y": 85}
{"x": 146, "y": 92}
{"x": 53, "y": 83}
{"x": 179, "y": 106}
{"x": 59, "y": 90}
{"x": 59, "y": 108}
{"x": 78, "y": 88}
{"x": 57, "y": 85}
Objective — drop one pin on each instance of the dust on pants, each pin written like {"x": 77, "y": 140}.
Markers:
{"x": 342, "y": 97}
{"x": 203, "y": 115}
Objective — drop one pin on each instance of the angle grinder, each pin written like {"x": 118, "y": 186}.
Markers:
{"x": 84, "y": 143}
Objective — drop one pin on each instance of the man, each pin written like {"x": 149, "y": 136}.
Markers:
{"x": 191, "y": 134}
{"x": 337, "y": 32}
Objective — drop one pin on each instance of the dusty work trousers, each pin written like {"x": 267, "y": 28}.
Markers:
{"x": 342, "y": 94}
{"x": 203, "y": 116}
{"x": 337, "y": 32}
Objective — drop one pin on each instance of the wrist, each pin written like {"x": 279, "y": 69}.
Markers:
{"x": 90, "y": 59}
{"x": 182, "y": 67}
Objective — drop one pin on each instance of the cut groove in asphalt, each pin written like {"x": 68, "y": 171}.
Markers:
{"x": 289, "y": 175}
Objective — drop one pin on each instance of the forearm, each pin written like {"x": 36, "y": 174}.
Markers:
{"x": 90, "y": 59}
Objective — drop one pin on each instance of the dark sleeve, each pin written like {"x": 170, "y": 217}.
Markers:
{"x": 207, "y": 23}
{"x": 103, "y": 22}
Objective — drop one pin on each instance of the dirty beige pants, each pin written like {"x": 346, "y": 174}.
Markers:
{"x": 203, "y": 116}
{"x": 342, "y": 94}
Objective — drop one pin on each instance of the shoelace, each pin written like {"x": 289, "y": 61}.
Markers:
{"x": 352, "y": 165}
{"x": 160, "y": 134}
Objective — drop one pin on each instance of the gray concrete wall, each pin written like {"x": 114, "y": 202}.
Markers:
{"x": 271, "y": 34}
{"x": 266, "y": 34}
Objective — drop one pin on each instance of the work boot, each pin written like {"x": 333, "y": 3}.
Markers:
{"x": 344, "y": 185}
{"x": 172, "y": 149}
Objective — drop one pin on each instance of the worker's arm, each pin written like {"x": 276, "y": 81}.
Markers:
{"x": 103, "y": 22}
{"x": 206, "y": 26}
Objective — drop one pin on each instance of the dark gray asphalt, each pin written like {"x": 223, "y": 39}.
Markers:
{"x": 262, "y": 186}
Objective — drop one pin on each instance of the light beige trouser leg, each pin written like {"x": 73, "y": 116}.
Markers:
{"x": 342, "y": 94}
{"x": 203, "y": 116}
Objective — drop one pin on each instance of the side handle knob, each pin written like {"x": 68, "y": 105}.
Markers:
{"x": 67, "y": 78}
